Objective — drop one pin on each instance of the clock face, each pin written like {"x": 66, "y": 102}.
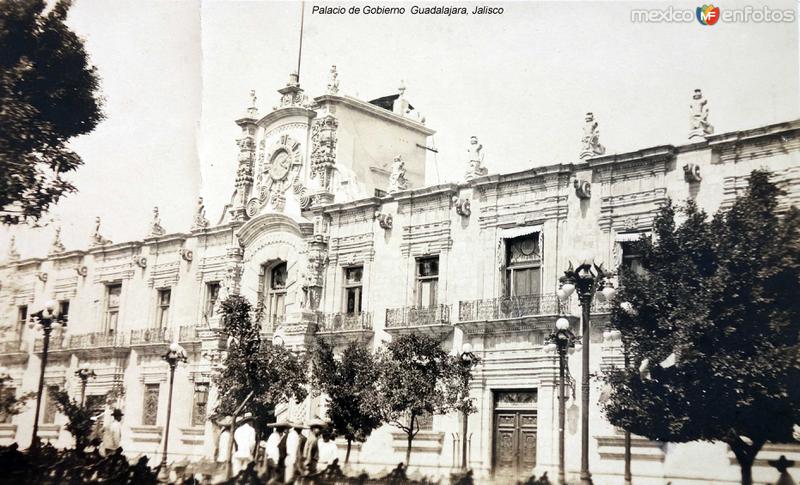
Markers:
{"x": 280, "y": 164}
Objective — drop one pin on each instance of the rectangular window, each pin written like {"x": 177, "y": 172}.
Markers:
{"x": 427, "y": 281}
{"x": 523, "y": 266}
{"x": 631, "y": 257}
{"x": 352, "y": 289}
{"x": 275, "y": 285}
{"x": 49, "y": 415}
{"x": 63, "y": 309}
{"x": 150, "y": 407}
{"x": 162, "y": 312}
{"x": 22, "y": 318}
{"x": 113, "y": 294}
{"x": 212, "y": 295}
{"x": 200, "y": 404}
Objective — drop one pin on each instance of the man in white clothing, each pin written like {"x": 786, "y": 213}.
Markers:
{"x": 245, "y": 439}
{"x": 273, "y": 446}
{"x": 112, "y": 433}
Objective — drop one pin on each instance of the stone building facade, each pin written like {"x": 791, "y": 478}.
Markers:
{"x": 332, "y": 227}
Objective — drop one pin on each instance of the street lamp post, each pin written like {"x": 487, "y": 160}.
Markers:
{"x": 562, "y": 340}
{"x": 84, "y": 373}
{"x": 468, "y": 359}
{"x": 586, "y": 279}
{"x": 46, "y": 319}
{"x": 174, "y": 355}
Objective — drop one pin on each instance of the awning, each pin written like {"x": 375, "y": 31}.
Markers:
{"x": 629, "y": 236}
{"x": 513, "y": 232}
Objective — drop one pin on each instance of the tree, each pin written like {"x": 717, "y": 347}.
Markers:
{"x": 716, "y": 310}
{"x": 418, "y": 377}
{"x": 349, "y": 384}
{"x": 273, "y": 373}
{"x": 79, "y": 419}
{"x": 10, "y": 404}
{"x": 49, "y": 94}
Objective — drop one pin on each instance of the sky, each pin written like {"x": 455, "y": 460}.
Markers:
{"x": 175, "y": 76}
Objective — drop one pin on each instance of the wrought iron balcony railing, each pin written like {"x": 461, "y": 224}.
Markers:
{"x": 57, "y": 342}
{"x": 96, "y": 339}
{"x": 412, "y": 316}
{"x": 510, "y": 307}
{"x": 600, "y": 304}
{"x": 143, "y": 336}
{"x": 344, "y": 322}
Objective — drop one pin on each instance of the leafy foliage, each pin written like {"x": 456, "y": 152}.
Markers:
{"x": 79, "y": 419}
{"x": 10, "y": 404}
{"x": 273, "y": 373}
{"x": 721, "y": 295}
{"x": 49, "y": 93}
{"x": 349, "y": 384}
{"x": 418, "y": 377}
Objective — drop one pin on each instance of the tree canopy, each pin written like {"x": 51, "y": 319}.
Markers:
{"x": 79, "y": 418}
{"x": 419, "y": 377}
{"x": 349, "y": 384}
{"x": 718, "y": 297}
{"x": 273, "y": 373}
{"x": 49, "y": 94}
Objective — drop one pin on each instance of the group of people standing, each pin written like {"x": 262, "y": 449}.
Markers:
{"x": 292, "y": 450}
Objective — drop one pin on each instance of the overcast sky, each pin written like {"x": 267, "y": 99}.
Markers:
{"x": 177, "y": 74}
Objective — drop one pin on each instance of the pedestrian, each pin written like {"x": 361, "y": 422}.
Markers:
{"x": 245, "y": 439}
{"x": 311, "y": 450}
{"x": 223, "y": 444}
{"x": 273, "y": 451}
{"x": 112, "y": 433}
{"x": 295, "y": 441}
{"x": 327, "y": 449}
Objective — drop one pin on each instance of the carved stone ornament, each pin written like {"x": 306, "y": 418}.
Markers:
{"x": 97, "y": 239}
{"x": 583, "y": 189}
{"x": 475, "y": 166}
{"x": 57, "y": 246}
{"x": 251, "y": 209}
{"x": 631, "y": 223}
{"x": 187, "y": 254}
{"x": 397, "y": 179}
{"x": 82, "y": 270}
{"x": 42, "y": 276}
{"x": 691, "y": 172}
{"x": 323, "y": 149}
{"x": 462, "y": 207}
{"x": 155, "y": 225}
{"x": 200, "y": 221}
{"x": 591, "y": 138}
{"x": 13, "y": 254}
{"x": 140, "y": 261}
{"x": 699, "y": 126}
{"x": 333, "y": 82}
{"x": 384, "y": 220}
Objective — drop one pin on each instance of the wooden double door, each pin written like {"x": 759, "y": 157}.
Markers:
{"x": 514, "y": 443}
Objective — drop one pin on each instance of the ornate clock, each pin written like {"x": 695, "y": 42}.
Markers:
{"x": 282, "y": 163}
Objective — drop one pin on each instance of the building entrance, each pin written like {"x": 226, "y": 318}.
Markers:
{"x": 514, "y": 437}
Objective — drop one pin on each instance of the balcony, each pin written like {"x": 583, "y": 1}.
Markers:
{"x": 13, "y": 352}
{"x": 341, "y": 328}
{"x": 57, "y": 343}
{"x": 161, "y": 337}
{"x": 433, "y": 320}
{"x": 94, "y": 340}
{"x": 527, "y": 313}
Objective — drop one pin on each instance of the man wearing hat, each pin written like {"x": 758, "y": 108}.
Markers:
{"x": 295, "y": 444}
{"x": 311, "y": 451}
{"x": 112, "y": 433}
{"x": 245, "y": 439}
{"x": 223, "y": 442}
{"x": 276, "y": 455}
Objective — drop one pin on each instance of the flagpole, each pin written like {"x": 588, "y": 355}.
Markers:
{"x": 300, "y": 50}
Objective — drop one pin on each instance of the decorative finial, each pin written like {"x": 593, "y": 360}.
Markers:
{"x": 155, "y": 226}
{"x": 252, "y": 110}
{"x": 333, "y": 83}
{"x": 13, "y": 254}
{"x": 200, "y": 221}
{"x": 475, "y": 166}
{"x": 97, "y": 239}
{"x": 397, "y": 179}
{"x": 57, "y": 246}
{"x": 402, "y": 88}
{"x": 699, "y": 126}
{"x": 591, "y": 138}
